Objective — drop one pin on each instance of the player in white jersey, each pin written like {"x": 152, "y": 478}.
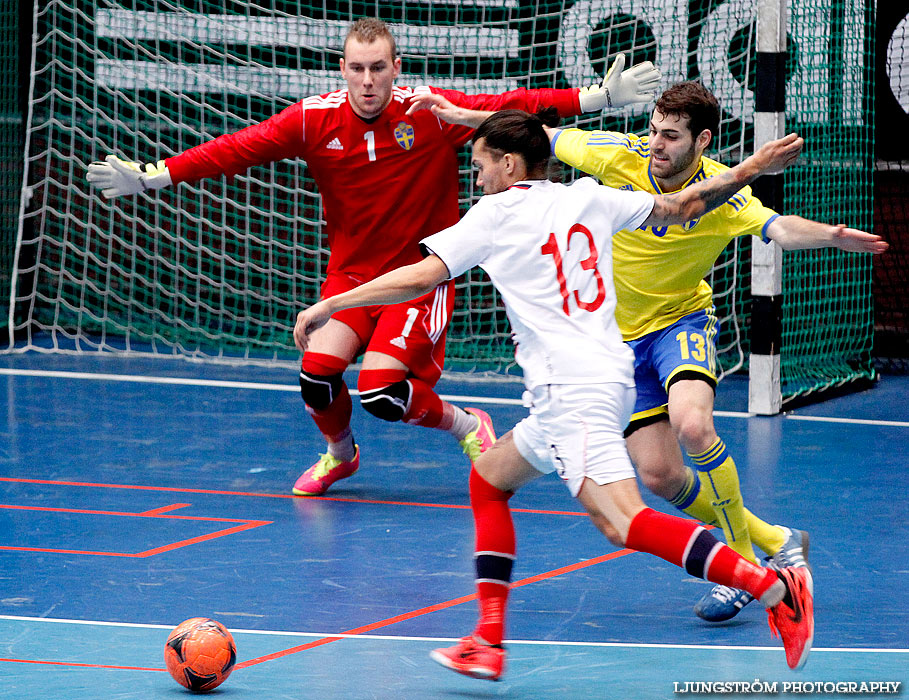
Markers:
{"x": 547, "y": 249}
{"x": 558, "y": 294}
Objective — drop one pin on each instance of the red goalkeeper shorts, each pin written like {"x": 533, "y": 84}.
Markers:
{"x": 412, "y": 332}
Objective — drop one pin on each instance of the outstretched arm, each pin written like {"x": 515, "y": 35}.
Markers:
{"x": 280, "y": 136}
{"x": 619, "y": 88}
{"x": 403, "y": 284}
{"x": 796, "y": 233}
{"x": 447, "y": 111}
{"x": 695, "y": 201}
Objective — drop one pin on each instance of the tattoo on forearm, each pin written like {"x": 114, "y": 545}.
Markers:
{"x": 717, "y": 189}
{"x": 700, "y": 198}
{"x": 667, "y": 208}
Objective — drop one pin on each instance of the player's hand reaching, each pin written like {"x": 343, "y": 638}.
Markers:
{"x": 621, "y": 87}
{"x": 119, "y": 177}
{"x": 694, "y": 201}
{"x": 796, "y": 233}
{"x": 310, "y": 320}
{"x": 856, "y": 241}
{"x": 775, "y": 156}
{"x": 446, "y": 110}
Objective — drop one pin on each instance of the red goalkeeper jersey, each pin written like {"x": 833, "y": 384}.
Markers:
{"x": 385, "y": 183}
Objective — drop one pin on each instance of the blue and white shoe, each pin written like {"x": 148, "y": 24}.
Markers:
{"x": 722, "y": 603}
{"x": 794, "y": 552}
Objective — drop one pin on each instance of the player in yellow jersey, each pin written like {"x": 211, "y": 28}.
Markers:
{"x": 665, "y": 312}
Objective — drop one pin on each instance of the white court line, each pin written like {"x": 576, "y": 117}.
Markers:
{"x": 734, "y": 414}
{"x": 857, "y": 421}
{"x": 322, "y": 635}
{"x": 142, "y": 379}
{"x": 263, "y": 386}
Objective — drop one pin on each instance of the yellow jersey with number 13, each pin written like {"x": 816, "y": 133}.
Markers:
{"x": 659, "y": 271}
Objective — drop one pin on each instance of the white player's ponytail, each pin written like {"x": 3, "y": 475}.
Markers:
{"x": 516, "y": 131}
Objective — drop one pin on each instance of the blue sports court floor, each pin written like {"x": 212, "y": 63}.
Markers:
{"x": 137, "y": 493}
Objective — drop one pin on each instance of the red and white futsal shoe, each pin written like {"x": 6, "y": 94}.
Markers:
{"x": 473, "y": 659}
{"x": 795, "y": 625}
{"x": 316, "y": 480}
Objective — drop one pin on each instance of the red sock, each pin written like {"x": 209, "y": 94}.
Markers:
{"x": 426, "y": 408}
{"x": 335, "y": 419}
{"x": 731, "y": 569}
{"x": 687, "y": 544}
{"x": 494, "y": 556}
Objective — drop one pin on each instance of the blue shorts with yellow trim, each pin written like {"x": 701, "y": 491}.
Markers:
{"x": 688, "y": 345}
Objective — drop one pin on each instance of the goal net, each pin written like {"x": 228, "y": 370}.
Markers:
{"x": 218, "y": 269}
{"x": 10, "y": 151}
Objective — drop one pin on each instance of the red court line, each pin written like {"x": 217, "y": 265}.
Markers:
{"x": 172, "y": 489}
{"x": 147, "y": 552}
{"x": 163, "y": 509}
{"x": 432, "y": 608}
{"x": 202, "y": 538}
{"x": 364, "y": 628}
{"x": 86, "y": 511}
{"x": 573, "y": 567}
{"x": 245, "y": 524}
{"x": 68, "y": 663}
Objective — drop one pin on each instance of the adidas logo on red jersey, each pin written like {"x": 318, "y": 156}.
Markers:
{"x": 335, "y": 145}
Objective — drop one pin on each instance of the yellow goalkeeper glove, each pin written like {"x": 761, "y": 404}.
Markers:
{"x": 118, "y": 177}
{"x": 621, "y": 87}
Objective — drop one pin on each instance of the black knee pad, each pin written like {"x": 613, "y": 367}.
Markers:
{"x": 318, "y": 390}
{"x": 388, "y": 402}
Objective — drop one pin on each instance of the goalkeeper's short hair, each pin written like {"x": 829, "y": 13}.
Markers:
{"x": 367, "y": 30}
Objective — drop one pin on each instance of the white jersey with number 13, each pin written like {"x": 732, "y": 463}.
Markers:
{"x": 547, "y": 248}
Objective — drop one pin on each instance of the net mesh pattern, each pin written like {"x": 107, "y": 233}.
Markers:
{"x": 218, "y": 269}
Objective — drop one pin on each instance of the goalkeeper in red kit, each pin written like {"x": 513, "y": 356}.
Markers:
{"x": 387, "y": 172}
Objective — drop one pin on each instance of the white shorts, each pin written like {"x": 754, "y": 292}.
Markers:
{"x": 576, "y": 431}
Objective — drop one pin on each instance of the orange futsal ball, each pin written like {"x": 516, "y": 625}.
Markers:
{"x": 200, "y": 653}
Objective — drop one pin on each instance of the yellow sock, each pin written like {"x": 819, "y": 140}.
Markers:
{"x": 766, "y": 536}
{"x": 719, "y": 487}
{"x": 691, "y": 501}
